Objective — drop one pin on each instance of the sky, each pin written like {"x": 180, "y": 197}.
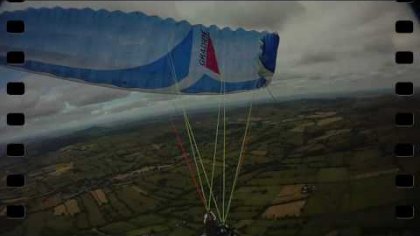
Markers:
{"x": 325, "y": 47}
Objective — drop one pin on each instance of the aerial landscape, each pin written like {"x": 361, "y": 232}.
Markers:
{"x": 321, "y": 166}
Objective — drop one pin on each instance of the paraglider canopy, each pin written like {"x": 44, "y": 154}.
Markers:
{"x": 135, "y": 51}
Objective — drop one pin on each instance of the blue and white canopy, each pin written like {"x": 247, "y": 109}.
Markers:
{"x": 140, "y": 52}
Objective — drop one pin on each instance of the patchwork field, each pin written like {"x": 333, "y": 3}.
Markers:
{"x": 312, "y": 167}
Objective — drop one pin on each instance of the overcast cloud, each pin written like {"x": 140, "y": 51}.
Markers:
{"x": 325, "y": 47}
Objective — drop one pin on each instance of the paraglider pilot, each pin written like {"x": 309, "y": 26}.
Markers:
{"x": 212, "y": 227}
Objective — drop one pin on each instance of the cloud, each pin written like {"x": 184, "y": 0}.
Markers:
{"x": 46, "y": 96}
{"x": 317, "y": 57}
{"x": 258, "y": 15}
{"x": 90, "y": 94}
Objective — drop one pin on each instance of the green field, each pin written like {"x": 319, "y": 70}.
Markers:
{"x": 342, "y": 146}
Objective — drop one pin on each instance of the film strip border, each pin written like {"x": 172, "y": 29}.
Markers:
{"x": 16, "y": 89}
{"x": 402, "y": 119}
{"x": 405, "y": 119}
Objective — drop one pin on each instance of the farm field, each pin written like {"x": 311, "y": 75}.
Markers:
{"x": 312, "y": 167}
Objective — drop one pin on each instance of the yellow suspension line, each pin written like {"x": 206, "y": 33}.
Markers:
{"x": 238, "y": 167}
{"x": 224, "y": 156}
{"x": 214, "y": 153}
